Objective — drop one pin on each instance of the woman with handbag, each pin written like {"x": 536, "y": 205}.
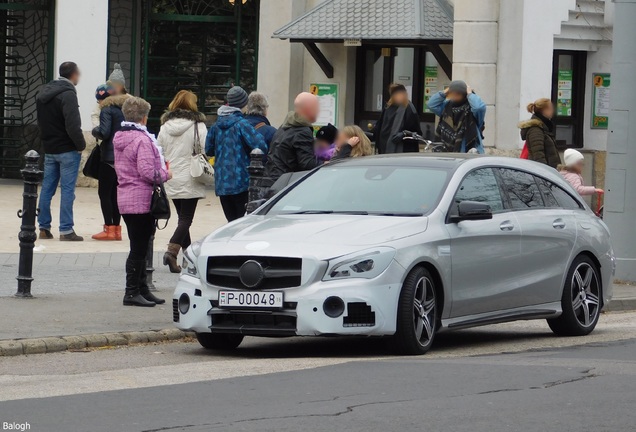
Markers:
{"x": 182, "y": 138}
{"x": 110, "y": 118}
{"x": 141, "y": 170}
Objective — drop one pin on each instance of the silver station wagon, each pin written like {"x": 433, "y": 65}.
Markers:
{"x": 401, "y": 246}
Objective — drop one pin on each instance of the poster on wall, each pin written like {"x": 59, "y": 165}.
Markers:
{"x": 328, "y": 98}
{"x": 564, "y": 93}
{"x": 430, "y": 85}
{"x": 601, "y": 100}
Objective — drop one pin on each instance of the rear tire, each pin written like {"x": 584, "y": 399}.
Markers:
{"x": 223, "y": 342}
{"x": 581, "y": 300}
{"x": 417, "y": 314}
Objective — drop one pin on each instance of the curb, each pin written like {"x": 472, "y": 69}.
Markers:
{"x": 621, "y": 305}
{"x": 45, "y": 345}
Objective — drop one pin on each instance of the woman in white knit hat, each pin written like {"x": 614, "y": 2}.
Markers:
{"x": 571, "y": 170}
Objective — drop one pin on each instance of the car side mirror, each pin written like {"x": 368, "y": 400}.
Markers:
{"x": 253, "y": 205}
{"x": 471, "y": 211}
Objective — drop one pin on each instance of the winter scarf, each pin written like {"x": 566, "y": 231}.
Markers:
{"x": 457, "y": 124}
{"x": 327, "y": 154}
{"x": 546, "y": 121}
{"x": 131, "y": 126}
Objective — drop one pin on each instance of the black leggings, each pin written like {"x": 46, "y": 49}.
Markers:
{"x": 107, "y": 190}
{"x": 140, "y": 228}
{"x": 185, "y": 211}
{"x": 234, "y": 205}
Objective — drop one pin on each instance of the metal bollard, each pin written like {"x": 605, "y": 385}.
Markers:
{"x": 149, "y": 267}
{"x": 32, "y": 175}
{"x": 256, "y": 191}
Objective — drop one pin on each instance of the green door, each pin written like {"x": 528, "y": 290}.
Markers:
{"x": 205, "y": 46}
{"x": 26, "y": 60}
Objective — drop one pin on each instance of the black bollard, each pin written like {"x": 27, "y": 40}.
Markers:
{"x": 256, "y": 191}
{"x": 149, "y": 260}
{"x": 32, "y": 175}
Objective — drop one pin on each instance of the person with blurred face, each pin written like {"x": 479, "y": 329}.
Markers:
{"x": 572, "y": 169}
{"x": 292, "y": 148}
{"x": 539, "y": 133}
{"x": 398, "y": 115}
{"x": 461, "y": 117}
{"x": 63, "y": 142}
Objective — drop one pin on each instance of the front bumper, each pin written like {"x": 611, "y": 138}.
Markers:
{"x": 370, "y": 308}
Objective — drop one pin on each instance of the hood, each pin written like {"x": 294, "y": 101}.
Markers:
{"x": 294, "y": 119}
{"x": 177, "y": 127}
{"x": 226, "y": 121}
{"x": 321, "y": 236}
{"x": 182, "y": 114}
{"x": 117, "y": 100}
{"x": 226, "y": 110}
{"x": 123, "y": 137}
{"x": 526, "y": 125}
{"x": 54, "y": 88}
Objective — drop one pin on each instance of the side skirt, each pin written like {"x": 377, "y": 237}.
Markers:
{"x": 543, "y": 311}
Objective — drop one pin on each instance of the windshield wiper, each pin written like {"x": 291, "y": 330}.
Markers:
{"x": 397, "y": 214}
{"x": 310, "y": 212}
{"x": 344, "y": 212}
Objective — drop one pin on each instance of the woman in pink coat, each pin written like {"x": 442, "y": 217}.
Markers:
{"x": 572, "y": 170}
{"x": 138, "y": 162}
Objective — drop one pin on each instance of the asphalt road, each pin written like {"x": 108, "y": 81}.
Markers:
{"x": 513, "y": 377}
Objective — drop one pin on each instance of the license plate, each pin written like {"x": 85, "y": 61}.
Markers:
{"x": 251, "y": 299}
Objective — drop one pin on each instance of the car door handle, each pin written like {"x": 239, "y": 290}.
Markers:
{"x": 506, "y": 226}
{"x": 558, "y": 224}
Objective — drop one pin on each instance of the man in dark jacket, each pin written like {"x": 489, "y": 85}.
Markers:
{"x": 256, "y": 114}
{"x": 292, "y": 148}
{"x": 63, "y": 141}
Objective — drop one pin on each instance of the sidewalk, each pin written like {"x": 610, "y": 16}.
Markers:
{"x": 88, "y": 221}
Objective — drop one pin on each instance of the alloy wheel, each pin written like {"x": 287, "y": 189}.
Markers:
{"x": 424, "y": 311}
{"x": 585, "y": 294}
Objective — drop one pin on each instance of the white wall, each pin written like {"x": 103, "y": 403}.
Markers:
{"x": 597, "y": 62}
{"x": 339, "y": 56}
{"x": 81, "y": 36}
{"x": 278, "y": 58}
{"x": 524, "y": 60}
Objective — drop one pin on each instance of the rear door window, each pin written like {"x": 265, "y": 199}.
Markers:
{"x": 521, "y": 188}
{"x": 557, "y": 197}
{"x": 481, "y": 186}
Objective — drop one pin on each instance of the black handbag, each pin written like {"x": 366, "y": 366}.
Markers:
{"x": 159, "y": 204}
{"x": 91, "y": 167}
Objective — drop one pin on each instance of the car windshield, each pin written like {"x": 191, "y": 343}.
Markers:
{"x": 365, "y": 190}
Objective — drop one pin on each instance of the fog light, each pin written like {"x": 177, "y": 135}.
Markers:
{"x": 333, "y": 307}
{"x": 184, "y": 303}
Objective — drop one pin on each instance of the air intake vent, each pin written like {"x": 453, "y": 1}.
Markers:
{"x": 359, "y": 315}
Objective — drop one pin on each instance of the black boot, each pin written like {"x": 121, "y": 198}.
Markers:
{"x": 133, "y": 296}
{"x": 144, "y": 290}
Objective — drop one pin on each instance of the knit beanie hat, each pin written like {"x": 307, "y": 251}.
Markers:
{"x": 237, "y": 97}
{"x": 458, "y": 87}
{"x": 117, "y": 76}
{"x": 103, "y": 91}
{"x": 327, "y": 133}
{"x": 571, "y": 157}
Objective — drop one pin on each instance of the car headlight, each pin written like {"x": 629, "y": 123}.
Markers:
{"x": 367, "y": 264}
{"x": 190, "y": 255}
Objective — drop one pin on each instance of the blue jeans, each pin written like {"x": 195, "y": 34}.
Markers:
{"x": 59, "y": 169}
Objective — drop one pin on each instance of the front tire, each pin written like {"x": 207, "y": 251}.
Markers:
{"x": 581, "y": 300}
{"x": 221, "y": 342}
{"x": 417, "y": 314}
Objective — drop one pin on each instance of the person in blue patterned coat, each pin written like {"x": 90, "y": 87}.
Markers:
{"x": 230, "y": 141}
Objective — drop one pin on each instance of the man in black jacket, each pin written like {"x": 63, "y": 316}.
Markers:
{"x": 292, "y": 148}
{"x": 63, "y": 141}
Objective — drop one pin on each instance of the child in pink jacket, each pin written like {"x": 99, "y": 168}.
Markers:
{"x": 572, "y": 170}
